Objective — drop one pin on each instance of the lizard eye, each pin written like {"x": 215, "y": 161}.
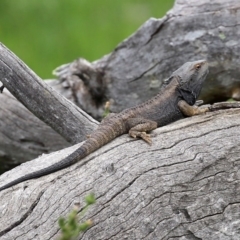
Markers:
{"x": 198, "y": 66}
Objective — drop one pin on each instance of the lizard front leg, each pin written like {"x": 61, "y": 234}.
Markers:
{"x": 189, "y": 110}
{"x": 139, "y": 128}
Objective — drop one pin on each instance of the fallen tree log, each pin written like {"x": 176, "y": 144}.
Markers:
{"x": 23, "y": 136}
{"x": 31, "y": 136}
{"x": 185, "y": 186}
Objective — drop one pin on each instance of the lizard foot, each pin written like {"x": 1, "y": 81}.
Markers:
{"x": 146, "y": 137}
{"x": 203, "y": 110}
{"x": 189, "y": 111}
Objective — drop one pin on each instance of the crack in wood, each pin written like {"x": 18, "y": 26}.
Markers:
{"x": 24, "y": 216}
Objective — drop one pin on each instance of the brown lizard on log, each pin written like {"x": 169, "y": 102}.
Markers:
{"x": 174, "y": 101}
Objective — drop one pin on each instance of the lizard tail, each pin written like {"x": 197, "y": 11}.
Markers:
{"x": 68, "y": 161}
{"x": 100, "y": 138}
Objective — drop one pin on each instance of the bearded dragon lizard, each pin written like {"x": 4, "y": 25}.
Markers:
{"x": 174, "y": 101}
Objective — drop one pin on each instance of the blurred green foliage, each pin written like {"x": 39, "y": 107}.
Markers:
{"x": 70, "y": 226}
{"x": 48, "y": 33}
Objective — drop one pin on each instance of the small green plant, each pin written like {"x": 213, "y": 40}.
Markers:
{"x": 231, "y": 100}
{"x": 70, "y": 226}
{"x": 106, "y": 109}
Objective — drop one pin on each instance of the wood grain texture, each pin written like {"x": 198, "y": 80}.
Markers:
{"x": 23, "y": 136}
{"x": 45, "y": 103}
{"x": 185, "y": 186}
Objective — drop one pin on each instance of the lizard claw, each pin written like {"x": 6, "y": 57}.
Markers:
{"x": 146, "y": 137}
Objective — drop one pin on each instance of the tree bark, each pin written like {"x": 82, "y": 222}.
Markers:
{"x": 45, "y": 103}
{"x": 23, "y": 136}
{"x": 185, "y": 186}
{"x": 135, "y": 70}
{"x": 192, "y": 30}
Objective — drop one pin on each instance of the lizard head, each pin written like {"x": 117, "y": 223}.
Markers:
{"x": 191, "y": 76}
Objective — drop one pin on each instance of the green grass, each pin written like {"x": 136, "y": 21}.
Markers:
{"x": 48, "y": 33}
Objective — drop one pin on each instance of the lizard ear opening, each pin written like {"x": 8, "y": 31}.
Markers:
{"x": 167, "y": 81}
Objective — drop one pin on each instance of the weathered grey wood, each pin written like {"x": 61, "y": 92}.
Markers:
{"x": 185, "y": 186}
{"x": 192, "y": 30}
{"x": 64, "y": 117}
{"x": 22, "y": 135}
